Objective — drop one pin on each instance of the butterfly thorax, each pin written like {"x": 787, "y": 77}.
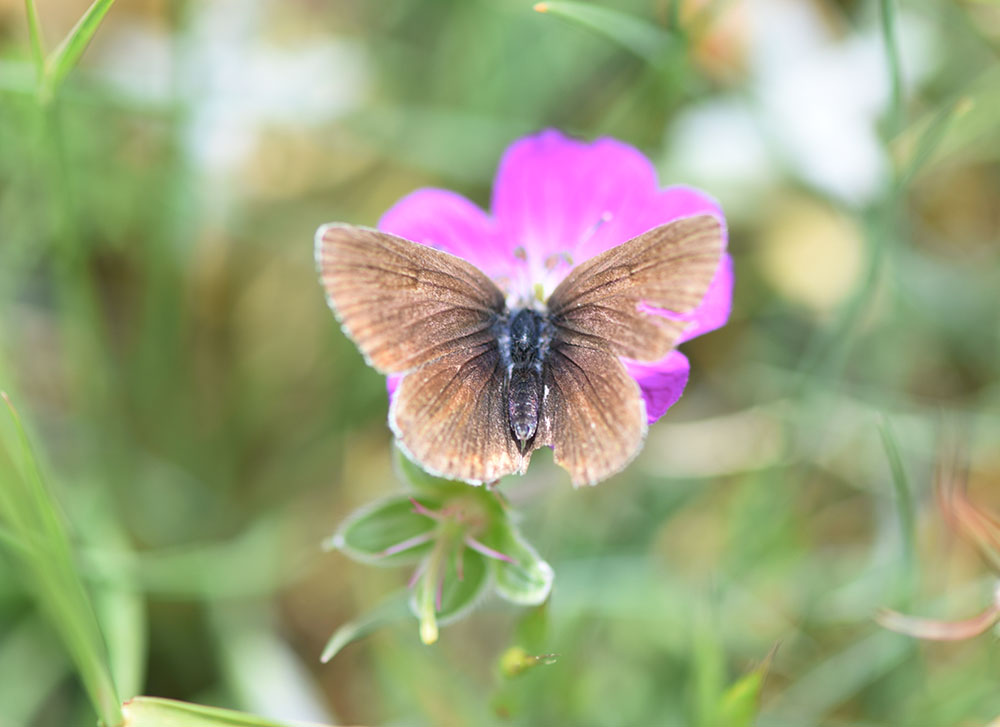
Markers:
{"x": 523, "y": 337}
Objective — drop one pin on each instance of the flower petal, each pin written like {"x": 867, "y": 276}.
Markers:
{"x": 682, "y": 201}
{"x": 713, "y": 312}
{"x": 446, "y": 221}
{"x": 661, "y": 382}
{"x": 554, "y": 195}
{"x": 391, "y": 384}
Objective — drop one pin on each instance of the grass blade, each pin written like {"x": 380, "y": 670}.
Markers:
{"x": 887, "y": 14}
{"x": 32, "y": 516}
{"x": 35, "y": 35}
{"x": 156, "y": 712}
{"x": 644, "y": 39}
{"x": 65, "y": 57}
{"x": 740, "y": 703}
{"x": 904, "y": 500}
{"x": 392, "y": 610}
{"x": 933, "y": 133}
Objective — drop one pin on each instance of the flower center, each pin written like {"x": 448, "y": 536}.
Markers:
{"x": 536, "y": 272}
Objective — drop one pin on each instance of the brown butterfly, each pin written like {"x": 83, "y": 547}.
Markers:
{"x": 486, "y": 383}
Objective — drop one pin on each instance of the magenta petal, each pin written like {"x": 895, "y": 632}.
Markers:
{"x": 678, "y": 201}
{"x": 681, "y": 201}
{"x": 391, "y": 384}
{"x": 447, "y": 221}
{"x": 714, "y": 309}
{"x": 553, "y": 195}
{"x": 661, "y": 382}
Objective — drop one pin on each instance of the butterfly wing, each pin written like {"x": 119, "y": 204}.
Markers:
{"x": 594, "y": 416}
{"x": 404, "y": 304}
{"x": 600, "y": 303}
{"x": 450, "y": 416}
{"x": 429, "y": 315}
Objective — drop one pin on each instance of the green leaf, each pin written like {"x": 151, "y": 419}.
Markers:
{"x": 32, "y": 517}
{"x": 391, "y": 610}
{"x": 371, "y": 534}
{"x": 640, "y": 37}
{"x": 526, "y": 581}
{"x": 157, "y": 712}
{"x": 460, "y": 595}
{"x": 65, "y": 57}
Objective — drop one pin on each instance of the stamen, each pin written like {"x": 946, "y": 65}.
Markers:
{"x": 553, "y": 261}
{"x": 421, "y": 510}
{"x": 417, "y": 572}
{"x": 592, "y": 230}
{"x": 438, "y": 592}
{"x": 487, "y": 551}
{"x": 520, "y": 253}
{"x": 406, "y": 544}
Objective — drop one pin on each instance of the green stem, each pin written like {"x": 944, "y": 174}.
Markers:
{"x": 426, "y": 606}
{"x": 887, "y": 14}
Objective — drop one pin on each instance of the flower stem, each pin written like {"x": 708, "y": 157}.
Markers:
{"x": 427, "y": 595}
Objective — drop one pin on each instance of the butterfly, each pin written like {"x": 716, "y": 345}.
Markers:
{"x": 486, "y": 382}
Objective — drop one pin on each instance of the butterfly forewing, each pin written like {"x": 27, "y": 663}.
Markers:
{"x": 451, "y": 417}
{"x": 670, "y": 268}
{"x": 404, "y": 304}
{"x": 594, "y": 417}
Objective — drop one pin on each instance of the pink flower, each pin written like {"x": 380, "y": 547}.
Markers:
{"x": 557, "y": 202}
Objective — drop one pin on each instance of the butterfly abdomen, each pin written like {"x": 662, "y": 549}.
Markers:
{"x": 523, "y": 348}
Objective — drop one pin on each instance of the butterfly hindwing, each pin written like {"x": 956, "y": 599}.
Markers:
{"x": 450, "y": 416}
{"x": 403, "y": 303}
{"x": 669, "y": 268}
{"x": 594, "y": 417}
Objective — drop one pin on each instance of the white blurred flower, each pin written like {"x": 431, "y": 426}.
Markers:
{"x": 242, "y": 84}
{"x": 812, "y": 109}
{"x": 232, "y": 81}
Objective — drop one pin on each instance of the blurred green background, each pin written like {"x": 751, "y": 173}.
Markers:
{"x": 204, "y": 424}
